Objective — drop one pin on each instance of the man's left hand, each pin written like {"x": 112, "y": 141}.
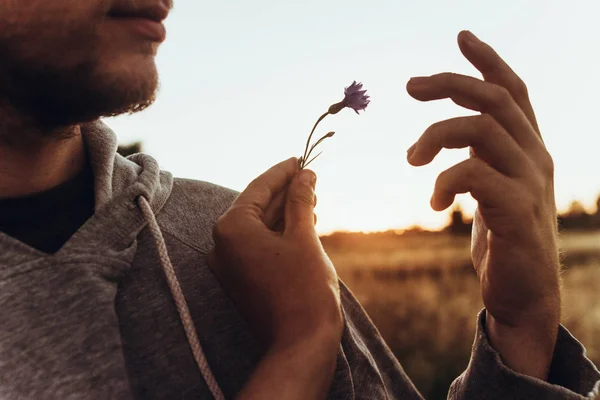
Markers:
{"x": 511, "y": 175}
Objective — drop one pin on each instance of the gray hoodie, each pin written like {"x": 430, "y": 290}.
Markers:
{"x": 98, "y": 320}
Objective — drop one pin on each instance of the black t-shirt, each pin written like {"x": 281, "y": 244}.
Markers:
{"x": 46, "y": 220}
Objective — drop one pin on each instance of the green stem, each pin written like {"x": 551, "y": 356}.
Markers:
{"x": 310, "y": 137}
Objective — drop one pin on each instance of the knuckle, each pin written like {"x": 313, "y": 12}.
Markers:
{"x": 260, "y": 185}
{"x": 537, "y": 183}
{"x": 476, "y": 175}
{"x": 443, "y": 181}
{"x": 220, "y": 229}
{"x": 487, "y": 122}
{"x": 255, "y": 182}
{"x": 547, "y": 165}
{"x": 436, "y": 128}
{"x": 431, "y": 130}
{"x": 304, "y": 198}
{"x": 520, "y": 88}
{"x": 474, "y": 168}
{"x": 447, "y": 77}
{"x": 430, "y": 134}
{"x": 224, "y": 229}
{"x": 500, "y": 95}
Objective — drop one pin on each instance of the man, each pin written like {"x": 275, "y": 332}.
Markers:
{"x": 104, "y": 263}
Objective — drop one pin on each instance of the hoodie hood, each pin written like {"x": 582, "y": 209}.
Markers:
{"x": 123, "y": 179}
{"x": 118, "y": 184}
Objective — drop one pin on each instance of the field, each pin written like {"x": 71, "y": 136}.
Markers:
{"x": 422, "y": 293}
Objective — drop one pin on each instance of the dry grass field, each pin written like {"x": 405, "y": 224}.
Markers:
{"x": 423, "y": 295}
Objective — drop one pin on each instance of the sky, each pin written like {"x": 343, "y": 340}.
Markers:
{"x": 242, "y": 83}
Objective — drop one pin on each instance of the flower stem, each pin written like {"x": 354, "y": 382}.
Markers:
{"x": 310, "y": 137}
{"x": 313, "y": 159}
{"x": 318, "y": 142}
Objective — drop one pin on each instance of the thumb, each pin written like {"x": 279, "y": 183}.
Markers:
{"x": 300, "y": 203}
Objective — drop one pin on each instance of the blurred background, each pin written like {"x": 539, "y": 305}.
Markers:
{"x": 243, "y": 83}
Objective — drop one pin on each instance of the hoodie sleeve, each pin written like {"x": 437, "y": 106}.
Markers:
{"x": 367, "y": 368}
{"x": 374, "y": 373}
{"x": 572, "y": 377}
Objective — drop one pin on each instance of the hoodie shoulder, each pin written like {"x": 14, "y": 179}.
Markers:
{"x": 192, "y": 210}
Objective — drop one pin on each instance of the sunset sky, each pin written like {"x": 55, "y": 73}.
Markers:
{"x": 243, "y": 83}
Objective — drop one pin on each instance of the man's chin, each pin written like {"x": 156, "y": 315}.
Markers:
{"x": 88, "y": 106}
{"x": 127, "y": 88}
{"x": 107, "y": 95}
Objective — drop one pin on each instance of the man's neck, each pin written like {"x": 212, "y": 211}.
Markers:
{"x": 40, "y": 162}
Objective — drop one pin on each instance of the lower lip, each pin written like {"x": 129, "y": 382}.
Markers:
{"x": 146, "y": 28}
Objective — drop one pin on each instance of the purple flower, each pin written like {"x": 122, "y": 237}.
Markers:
{"x": 356, "y": 98}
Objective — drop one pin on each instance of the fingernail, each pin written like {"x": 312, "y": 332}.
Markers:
{"x": 471, "y": 38}
{"x": 411, "y": 151}
{"x": 289, "y": 160}
{"x": 417, "y": 81}
{"x": 308, "y": 178}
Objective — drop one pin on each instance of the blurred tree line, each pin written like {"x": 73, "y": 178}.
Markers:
{"x": 576, "y": 218}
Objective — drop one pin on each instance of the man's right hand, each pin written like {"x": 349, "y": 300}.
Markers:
{"x": 283, "y": 283}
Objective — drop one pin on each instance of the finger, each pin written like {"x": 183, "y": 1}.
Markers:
{"x": 479, "y": 244}
{"x": 279, "y": 226}
{"x": 300, "y": 205}
{"x": 490, "y": 188}
{"x": 261, "y": 192}
{"x": 275, "y": 209}
{"x": 482, "y": 133}
{"x": 485, "y": 97}
{"x": 495, "y": 70}
{"x": 275, "y": 214}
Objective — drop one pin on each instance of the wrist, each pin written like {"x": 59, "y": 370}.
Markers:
{"x": 534, "y": 319}
{"x": 526, "y": 348}
{"x": 319, "y": 326}
{"x": 307, "y": 363}
{"x": 295, "y": 368}
{"x": 323, "y": 339}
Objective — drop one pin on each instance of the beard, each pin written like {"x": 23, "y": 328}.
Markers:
{"x": 58, "y": 98}
{"x": 53, "y": 89}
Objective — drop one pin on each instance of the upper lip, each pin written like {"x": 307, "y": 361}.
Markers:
{"x": 157, "y": 12}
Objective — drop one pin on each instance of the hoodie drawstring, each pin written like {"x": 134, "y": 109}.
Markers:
{"x": 180, "y": 302}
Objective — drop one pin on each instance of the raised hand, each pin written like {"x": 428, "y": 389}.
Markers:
{"x": 511, "y": 175}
